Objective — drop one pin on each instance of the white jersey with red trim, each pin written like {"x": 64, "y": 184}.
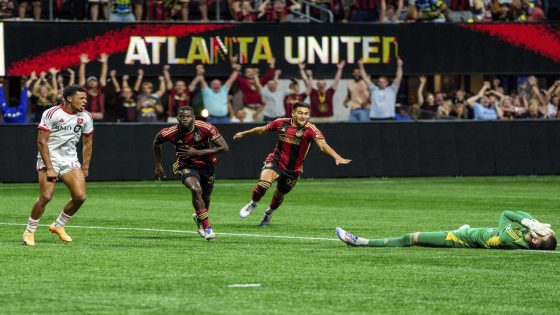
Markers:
{"x": 66, "y": 129}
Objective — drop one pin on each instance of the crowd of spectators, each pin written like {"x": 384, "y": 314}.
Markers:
{"x": 383, "y": 11}
{"x": 249, "y": 95}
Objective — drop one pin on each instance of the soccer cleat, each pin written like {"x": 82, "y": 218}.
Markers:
{"x": 464, "y": 226}
{"x": 266, "y": 220}
{"x": 60, "y": 232}
{"x": 28, "y": 238}
{"x": 209, "y": 234}
{"x": 246, "y": 211}
{"x": 349, "y": 239}
{"x": 199, "y": 227}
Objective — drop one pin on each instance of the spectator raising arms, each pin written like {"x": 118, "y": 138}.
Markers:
{"x": 252, "y": 101}
{"x": 273, "y": 99}
{"x": 357, "y": 97}
{"x": 43, "y": 94}
{"x": 321, "y": 98}
{"x": 125, "y": 97}
{"x": 16, "y": 110}
{"x": 149, "y": 102}
{"x": 383, "y": 96}
{"x": 94, "y": 87}
{"x": 485, "y": 109}
{"x": 179, "y": 95}
{"x": 215, "y": 97}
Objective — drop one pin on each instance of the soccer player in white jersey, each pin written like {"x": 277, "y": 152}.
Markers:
{"x": 59, "y": 132}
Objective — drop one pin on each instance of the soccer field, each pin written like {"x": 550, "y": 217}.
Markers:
{"x": 135, "y": 250}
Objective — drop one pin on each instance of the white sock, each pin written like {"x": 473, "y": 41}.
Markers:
{"x": 32, "y": 225}
{"x": 362, "y": 241}
{"x": 62, "y": 219}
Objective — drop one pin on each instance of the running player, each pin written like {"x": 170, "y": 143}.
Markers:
{"x": 59, "y": 132}
{"x": 285, "y": 164}
{"x": 516, "y": 230}
{"x": 196, "y": 143}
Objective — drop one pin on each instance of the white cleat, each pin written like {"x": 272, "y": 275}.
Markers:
{"x": 209, "y": 234}
{"x": 464, "y": 226}
{"x": 349, "y": 239}
{"x": 199, "y": 227}
{"x": 246, "y": 211}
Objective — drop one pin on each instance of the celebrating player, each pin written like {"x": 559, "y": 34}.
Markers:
{"x": 196, "y": 144}
{"x": 295, "y": 135}
{"x": 516, "y": 230}
{"x": 59, "y": 132}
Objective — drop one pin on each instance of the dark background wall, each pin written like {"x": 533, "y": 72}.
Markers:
{"x": 124, "y": 151}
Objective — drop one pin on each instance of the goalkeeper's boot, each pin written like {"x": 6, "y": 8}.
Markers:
{"x": 464, "y": 226}
{"x": 266, "y": 219}
{"x": 199, "y": 227}
{"x": 59, "y": 230}
{"x": 28, "y": 238}
{"x": 349, "y": 239}
{"x": 246, "y": 211}
{"x": 209, "y": 234}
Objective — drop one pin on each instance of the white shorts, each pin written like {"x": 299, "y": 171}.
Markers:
{"x": 61, "y": 167}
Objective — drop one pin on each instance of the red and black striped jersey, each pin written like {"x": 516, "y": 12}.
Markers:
{"x": 199, "y": 138}
{"x": 293, "y": 143}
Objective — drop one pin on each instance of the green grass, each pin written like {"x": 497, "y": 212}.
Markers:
{"x": 149, "y": 272}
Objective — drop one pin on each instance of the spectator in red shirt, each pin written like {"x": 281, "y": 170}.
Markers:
{"x": 365, "y": 11}
{"x": 252, "y": 102}
{"x": 294, "y": 96}
{"x": 179, "y": 94}
{"x": 277, "y": 13}
{"x": 94, "y": 87}
{"x": 321, "y": 98}
{"x": 246, "y": 13}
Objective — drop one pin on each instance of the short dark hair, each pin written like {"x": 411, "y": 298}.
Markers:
{"x": 183, "y": 108}
{"x": 71, "y": 90}
{"x": 301, "y": 104}
{"x": 545, "y": 244}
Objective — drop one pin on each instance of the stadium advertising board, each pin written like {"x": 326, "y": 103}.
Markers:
{"x": 425, "y": 48}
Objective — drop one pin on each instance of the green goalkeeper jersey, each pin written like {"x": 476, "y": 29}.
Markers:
{"x": 509, "y": 234}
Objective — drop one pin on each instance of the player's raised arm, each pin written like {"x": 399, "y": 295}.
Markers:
{"x": 159, "y": 171}
{"x": 257, "y": 131}
{"x": 323, "y": 146}
{"x": 42, "y": 140}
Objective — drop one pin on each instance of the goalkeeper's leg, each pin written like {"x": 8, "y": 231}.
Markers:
{"x": 425, "y": 239}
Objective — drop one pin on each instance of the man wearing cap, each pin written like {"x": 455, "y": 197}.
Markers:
{"x": 94, "y": 87}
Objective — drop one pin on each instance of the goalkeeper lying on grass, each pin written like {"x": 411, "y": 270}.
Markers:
{"x": 517, "y": 230}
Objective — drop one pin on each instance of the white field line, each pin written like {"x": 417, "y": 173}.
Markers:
{"x": 229, "y": 234}
{"x": 245, "y": 285}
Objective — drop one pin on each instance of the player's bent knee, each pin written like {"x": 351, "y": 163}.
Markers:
{"x": 79, "y": 198}
{"x": 45, "y": 197}
{"x": 415, "y": 237}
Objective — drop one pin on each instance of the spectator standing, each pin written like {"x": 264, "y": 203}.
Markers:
{"x": 459, "y": 11}
{"x": 179, "y": 93}
{"x": 121, "y": 11}
{"x": 273, "y": 99}
{"x": 240, "y": 117}
{"x": 16, "y": 111}
{"x": 43, "y": 94}
{"x": 389, "y": 13}
{"x": 6, "y": 9}
{"x": 358, "y": 97}
{"x": 94, "y": 87}
{"x": 321, "y": 98}
{"x": 428, "y": 104}
{"x": 428, "y": 10}
{"x": 35, "y": 4}
{"x": 365, "y": 11}
{"x": 148, "y": 103}
{"x": 383, "y": 95}
{"x": 293, "y": 95}
{"x": 484, "y": 110}
{"x": 252, "y": 101}
{"x": 125, "y": 96}
{"x": 216, "y": 96}
{"x": 94, "y": 9}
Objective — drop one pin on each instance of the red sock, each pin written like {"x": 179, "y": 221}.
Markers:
{"x": 276, "y": 202}
{"x": 202, "y": 216}
{"x": 260, "y": 189}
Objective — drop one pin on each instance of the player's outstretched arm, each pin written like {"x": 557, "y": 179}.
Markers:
{"x": 323, "y": 146}
{"x": 257, "y": 131}
{"x": 86, "y": 153}
{"x": 159, "y": 171}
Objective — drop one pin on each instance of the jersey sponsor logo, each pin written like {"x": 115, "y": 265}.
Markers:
{"x": 76, "y": 128}
{"x": 80, "y": 121}
{"x": 290, "y": 141}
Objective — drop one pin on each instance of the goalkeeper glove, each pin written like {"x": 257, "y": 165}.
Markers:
{"x": 537, "y": 228}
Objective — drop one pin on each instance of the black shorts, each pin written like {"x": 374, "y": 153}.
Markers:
{"x": 286, "y": 181}
{"x": 205, "y": 175}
